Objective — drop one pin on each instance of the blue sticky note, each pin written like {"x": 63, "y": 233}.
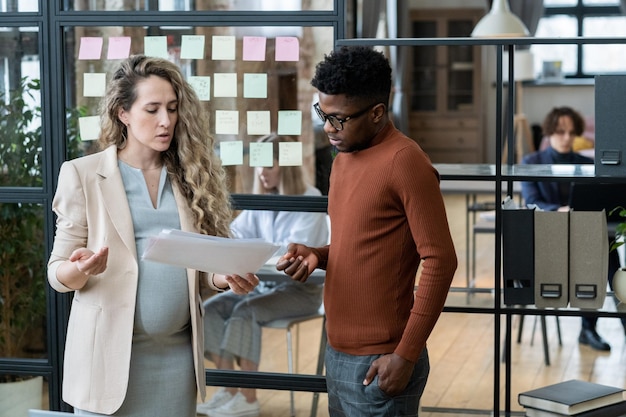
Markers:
{"x": 289, "y": 122}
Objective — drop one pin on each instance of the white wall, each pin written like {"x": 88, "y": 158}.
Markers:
{"x": 538, "y": 100}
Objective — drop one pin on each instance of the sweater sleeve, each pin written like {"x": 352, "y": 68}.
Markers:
{"x": 417, "y": 184}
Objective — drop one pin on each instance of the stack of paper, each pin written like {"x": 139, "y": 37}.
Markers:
{"x": 209, "y": 253}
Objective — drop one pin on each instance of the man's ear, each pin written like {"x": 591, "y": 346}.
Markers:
{"x": 379, "y": 111}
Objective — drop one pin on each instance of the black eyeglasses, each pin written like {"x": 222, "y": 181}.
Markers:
{"x": 335, "y": 121}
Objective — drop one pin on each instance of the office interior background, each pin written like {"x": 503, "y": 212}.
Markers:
{"x": 446, "y": 97}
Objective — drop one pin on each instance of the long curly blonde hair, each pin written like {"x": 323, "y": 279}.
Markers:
{"x": 190, "y": 160}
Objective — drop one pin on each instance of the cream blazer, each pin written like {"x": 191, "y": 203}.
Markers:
{"x": 92, "y": 211}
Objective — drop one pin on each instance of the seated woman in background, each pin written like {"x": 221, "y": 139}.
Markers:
{"x": 232, "y": 323}
{"x": 562, "y": 125}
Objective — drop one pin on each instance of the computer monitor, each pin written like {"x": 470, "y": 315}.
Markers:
{"x": 598, "y": 197}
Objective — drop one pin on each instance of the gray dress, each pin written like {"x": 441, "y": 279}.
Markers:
{"x": 162, "y": 377}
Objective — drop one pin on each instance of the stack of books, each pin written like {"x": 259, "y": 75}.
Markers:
{"x": 574, "y": 398}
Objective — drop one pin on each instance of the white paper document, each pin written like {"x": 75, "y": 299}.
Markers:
{"x": 209, "y": 253}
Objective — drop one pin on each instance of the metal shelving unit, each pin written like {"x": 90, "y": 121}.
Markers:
{"x": 503, "y": 174}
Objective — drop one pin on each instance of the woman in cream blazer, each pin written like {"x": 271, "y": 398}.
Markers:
{"x": 96, "y": 364}
{"x": 95, "y": 248}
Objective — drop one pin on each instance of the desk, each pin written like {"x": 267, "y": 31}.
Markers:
{"x": 268, "y": 272}
{"x": 476, "y": 187}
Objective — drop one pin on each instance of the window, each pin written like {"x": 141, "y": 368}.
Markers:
{"x": 19, "y": 6}
{"x": 586, "y": 18}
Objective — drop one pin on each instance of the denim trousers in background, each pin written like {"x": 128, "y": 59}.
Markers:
{"x": 348, "y": 397}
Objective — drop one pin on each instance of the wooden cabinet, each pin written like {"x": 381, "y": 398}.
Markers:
{"x": 445, "y": 95}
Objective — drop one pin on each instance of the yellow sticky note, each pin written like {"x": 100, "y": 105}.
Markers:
{"x": 89, "y": 127}
{"x": 290, "y": 154}
{"x": 192, "y": 47}
{"x": 202, "y": 86}
{"x": 225, "y": 85}
{"x": 258, "y": 122}
{"x": 231, "y": 152}
{"x": 261, "y": 154}
{"x": 254, "y": 85}
{"x": 226, "y": 122}
{"x": 289, "y": 122}
{"x": 155, "y": 46}
{"x": 223, "y": 48}
{"x": 94, "y": 84}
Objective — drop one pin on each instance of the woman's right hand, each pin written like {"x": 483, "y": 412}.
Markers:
{"x": 82, "y": 263}
{"x": 89, "y": 262}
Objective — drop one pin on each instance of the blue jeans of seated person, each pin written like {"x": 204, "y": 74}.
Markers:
{"x": 348, "y": 397}
{"x": 588, "y": 321}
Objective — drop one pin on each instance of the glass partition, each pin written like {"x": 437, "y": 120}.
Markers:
{"x": 253, "y": 81}
{"x": 20, "y": 108}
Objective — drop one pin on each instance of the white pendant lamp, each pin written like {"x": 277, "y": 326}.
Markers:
{"x": 500, "y": 22}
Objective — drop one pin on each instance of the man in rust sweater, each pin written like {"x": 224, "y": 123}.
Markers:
{"x": 387, "y": 215}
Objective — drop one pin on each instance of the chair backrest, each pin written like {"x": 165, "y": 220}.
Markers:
{"x": 328, "y": 226}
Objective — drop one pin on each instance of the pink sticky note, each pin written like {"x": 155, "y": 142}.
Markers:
{"x": 287, "y": 48}
{"x": 90, "y": 48}
{"x": 119, "y": 47}
{"x": 254, "y": 48}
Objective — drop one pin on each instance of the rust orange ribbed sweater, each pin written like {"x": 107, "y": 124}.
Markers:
{"x": 387, "y": 214}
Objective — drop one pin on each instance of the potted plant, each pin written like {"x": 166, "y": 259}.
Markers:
{"x": 619, "y": 278}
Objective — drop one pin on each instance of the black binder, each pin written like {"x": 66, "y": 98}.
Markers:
{"x": 518, "y": 256}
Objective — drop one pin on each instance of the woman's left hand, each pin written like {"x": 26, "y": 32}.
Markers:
{"x": 242, "y": 285}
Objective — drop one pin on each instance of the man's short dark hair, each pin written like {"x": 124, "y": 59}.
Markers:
{"x": 358, "y": 72}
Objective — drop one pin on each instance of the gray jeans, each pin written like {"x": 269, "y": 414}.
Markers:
{"x": 348, "y": 397}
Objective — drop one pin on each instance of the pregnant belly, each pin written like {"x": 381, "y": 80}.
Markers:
{"x": 162, "y": 307}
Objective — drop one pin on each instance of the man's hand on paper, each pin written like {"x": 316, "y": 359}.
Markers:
{"x": 238, "y": 284}
{"x": 299, "y": 262}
